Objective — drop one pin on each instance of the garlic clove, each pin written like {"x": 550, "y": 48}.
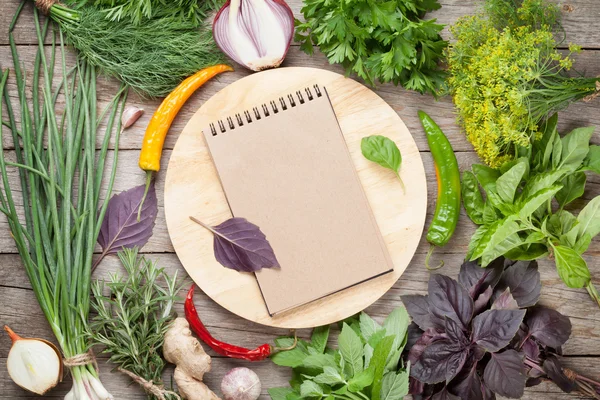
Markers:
{"x": 130, "y": 115}
{"x": 33, "y": 364}
{"x": 254, "y": 33}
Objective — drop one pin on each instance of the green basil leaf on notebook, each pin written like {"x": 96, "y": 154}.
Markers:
{"x": 241, "y": 245}
{"x": 384, "y": 152}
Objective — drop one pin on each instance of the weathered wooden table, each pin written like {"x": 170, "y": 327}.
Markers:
{"x": 19, "y": 309}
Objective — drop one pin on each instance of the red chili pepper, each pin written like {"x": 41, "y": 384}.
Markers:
{"x": 224, "y": 349}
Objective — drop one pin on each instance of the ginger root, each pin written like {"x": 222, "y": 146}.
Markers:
{"x": 186, "y": 352}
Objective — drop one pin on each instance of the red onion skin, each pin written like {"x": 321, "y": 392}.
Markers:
{"x": 281, "y": 2}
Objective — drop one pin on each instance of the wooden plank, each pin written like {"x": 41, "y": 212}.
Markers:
{"x": 270, "y": 376}
{"x": 129, "y": 175}
{"x": 18, "y": 300}
{"x": 405, "y": 103}
{"x": 579, "y": 19}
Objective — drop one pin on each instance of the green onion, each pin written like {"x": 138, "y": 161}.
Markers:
{"x": 56, "y": 225}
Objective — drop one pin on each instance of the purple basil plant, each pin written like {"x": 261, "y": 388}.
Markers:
{"x": 485, "y": 336}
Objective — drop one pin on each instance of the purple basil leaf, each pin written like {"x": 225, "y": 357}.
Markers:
{"x": 120, "y": 227}
{"x": 425, "y": 340}
{"x": 523, "y": 279}
{"x": 505, "y": 374}
{"x": 494, "y": 329}
{"x": 505, "y": 301}
{"x": 444, "y": 394}
{"x": 482, "y": 300}
{"x": 476, "y": 279}
{"x": 487, "y": 393}
{"x": 550, "y": 327}
{"x": 414, "y": 333}
{"x": 241, "y": 245}
{"x": 531, "y": 382}
{"x": 455, "y": 333}
{"x": 531, "y": 349}
{"x": 418, "y": 308}
{"x": 440, "y": 361}
{"x": 447, "y": 298}
{"x": 477, "y": 352}
{"x": 555, "y": 372}
{"x": 415, "y": 386}
{"x": 470, "y": 387}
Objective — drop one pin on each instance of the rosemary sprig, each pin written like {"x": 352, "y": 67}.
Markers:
{"x": 134, "y": 313}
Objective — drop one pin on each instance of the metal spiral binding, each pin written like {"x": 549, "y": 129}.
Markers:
{"x": 266, "y": 109}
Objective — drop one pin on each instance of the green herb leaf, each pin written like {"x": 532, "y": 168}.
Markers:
{"x": 330, "y": 376}
{"x": 396, "y": 324}
{"x": 528, "y": 252}
{"x": 557, "y": 149}
{"x": 393, "y": 360}
{"x": 472, "y": 198}
{"x": 289, "y": 358}
{"x": 534, "y": 202}
{"x": 582, "y": 244}
{"x": 319, "y": 361}
{"x": 368, "y": 326}
{"x": 382, "y": 151}
{"x": 561, "y": 222}
{"x": 376, "y": 338}
{"x": 542, "y": 181}
{"x": 378, "y": 363}
{"x": 351, "y": 349}
{"x": 495, "y": 235}
{"x": 486, "y": 176}
{"x": 572, "y": 269}
{"x": 280, "y": 393}
{"x": 589, "y": 219}
{"x": 395, "y": 386}
{"x": 361, "y": 380}
{"x": 478, "y": 237}
{"x": 511, "y": 242}
{"x": 573, "y": 188}
{"x": 575, "y": 148}
{"x": 592, "y": 160}
{"x": 310, "y": 389}
{"x": 319, "y": 338}
{"x": 507, "y": 184}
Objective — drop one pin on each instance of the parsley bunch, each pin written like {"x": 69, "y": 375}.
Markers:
{"x": 506, "y": 75}
{"x": 385, "y": 41}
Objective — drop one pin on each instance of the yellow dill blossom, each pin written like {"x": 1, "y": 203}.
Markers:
{"x": 506, "y": 78}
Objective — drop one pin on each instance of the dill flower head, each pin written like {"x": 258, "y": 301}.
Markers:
{"x": 506, "y": 79}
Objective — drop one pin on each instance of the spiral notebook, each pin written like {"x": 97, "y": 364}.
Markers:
{"x": 285, "y": 167}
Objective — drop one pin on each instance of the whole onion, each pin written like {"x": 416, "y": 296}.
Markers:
{"x": 241, "y": 384}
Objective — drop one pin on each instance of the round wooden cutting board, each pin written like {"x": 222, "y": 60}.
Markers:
{"x": 192, "y": 188}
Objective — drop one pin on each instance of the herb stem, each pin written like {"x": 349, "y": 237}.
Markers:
{"x": 593, "y": 291}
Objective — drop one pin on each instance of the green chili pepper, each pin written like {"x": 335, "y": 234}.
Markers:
{"x": 447, "y": 206}
{"x": 472, "y": 198}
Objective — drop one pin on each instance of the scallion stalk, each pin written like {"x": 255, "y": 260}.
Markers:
{"x": 60, "y": 172}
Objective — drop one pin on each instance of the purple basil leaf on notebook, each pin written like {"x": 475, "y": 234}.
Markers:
{"x": 120, "y": 226}
{"x": 241, "y": 245}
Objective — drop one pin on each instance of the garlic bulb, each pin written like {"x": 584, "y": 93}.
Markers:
{"x": 254, "y": 33}
{"x": 241, "y": 384}
{"x": 33, "y": 364}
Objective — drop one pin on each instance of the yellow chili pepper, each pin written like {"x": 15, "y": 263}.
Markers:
{"x": 165, "y": 114}
{"x": 160, "y": 123}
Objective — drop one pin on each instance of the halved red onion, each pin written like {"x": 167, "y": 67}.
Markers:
{"x": 254, "y": 33}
